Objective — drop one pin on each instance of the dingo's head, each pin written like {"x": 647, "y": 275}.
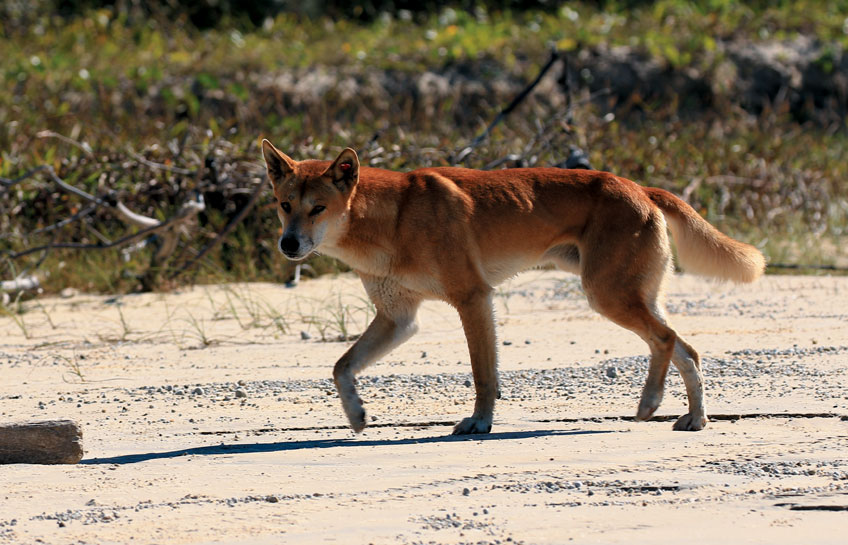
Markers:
{"x": 312, "y": 198}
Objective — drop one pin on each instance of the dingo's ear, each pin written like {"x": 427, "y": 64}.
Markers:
{"x": 345, "y": 170}
{"x": 278, "y": 163}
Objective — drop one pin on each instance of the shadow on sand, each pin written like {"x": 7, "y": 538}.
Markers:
{"x": 249, "y": 448}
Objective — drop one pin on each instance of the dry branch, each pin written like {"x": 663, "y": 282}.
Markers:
{"x": 225, "y": 231}
{"x": 168, "y": 230}
{"x": 48, "y": 442}
{"x": 22, "y": 283}
{"x": 462, "y": 155}
{"x": 187, "y": 211}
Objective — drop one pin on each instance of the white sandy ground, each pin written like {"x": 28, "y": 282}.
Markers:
{"x": 175, "y": 455}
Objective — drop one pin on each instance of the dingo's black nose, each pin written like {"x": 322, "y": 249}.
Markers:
{"x": 289, "y": 245}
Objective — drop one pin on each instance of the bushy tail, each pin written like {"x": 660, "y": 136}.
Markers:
{"x": 703, "y": 249}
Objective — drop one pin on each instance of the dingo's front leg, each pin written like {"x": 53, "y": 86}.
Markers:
{"x": 394, "y": 324}
{"x": 479, "y": 325}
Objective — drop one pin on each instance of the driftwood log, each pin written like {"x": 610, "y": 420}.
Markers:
{"x": 48, "y": 442}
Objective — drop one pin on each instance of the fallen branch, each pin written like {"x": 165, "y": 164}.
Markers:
{"x": 160, "y": 166}
{"x": 257, "y": 191}
{"x": 49, "y": 442}
{"x": 81, "y": 145}
{"x": 168, "y": 230}
{"x": 187, "y": 211}
{"x": 79, "y": 215}
{"x": 9, "y": 182}
{"x": 23, "y": 283}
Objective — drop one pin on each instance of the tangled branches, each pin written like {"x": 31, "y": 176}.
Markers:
{"x": 51, "y": 214}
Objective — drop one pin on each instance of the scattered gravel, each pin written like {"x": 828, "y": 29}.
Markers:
{"x": 769, "y": 372}
{"x": 450, "y": 521}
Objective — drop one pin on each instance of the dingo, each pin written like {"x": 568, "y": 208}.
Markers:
{"x": 454, "y": 233}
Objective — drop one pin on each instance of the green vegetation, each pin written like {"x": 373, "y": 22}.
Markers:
{"x": 114, "y": 87}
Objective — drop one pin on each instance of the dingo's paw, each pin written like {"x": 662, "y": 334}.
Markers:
{"x": 357, "y": 420}
{"x": 690, "y": 422}
{"x": 647, "y": 406}
{"x": 355, "y": 413}
{"x": 472, "y": 425}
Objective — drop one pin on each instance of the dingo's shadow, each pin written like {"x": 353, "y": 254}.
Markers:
{"x": 249, "y": 448}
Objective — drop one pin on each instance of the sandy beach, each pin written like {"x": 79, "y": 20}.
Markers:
{"x": 209, "y": 416}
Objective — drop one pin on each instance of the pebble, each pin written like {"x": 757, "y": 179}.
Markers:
{"x": 241, "y": 393}
{"x": 68, "y": 293}
{"x": 198, "y": 391}
{"x": 305, "y": 336}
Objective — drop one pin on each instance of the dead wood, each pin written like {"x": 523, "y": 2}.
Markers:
{"x": 47, "y": 442}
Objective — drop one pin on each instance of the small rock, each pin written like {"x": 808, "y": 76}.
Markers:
{"x": 465, "y": 492}
{"x": 612, "y": 372}
{"x": 67, "y": 293}
{"x": 272, "y": 499}
{"x": 467, "y": 383}
{"x": 241, "y": 393}
{"x": 241, "y": 382}
{"x": 198, "y": 391}
{"x": 305, "y": 336}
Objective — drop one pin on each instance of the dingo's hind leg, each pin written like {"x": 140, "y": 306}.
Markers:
{"x": 635, "y": 315}
{"x": 647, "y": 319}
{"x": 687, "y": 361}
{"x": 625, "y": 282}
{"x": 623, "y": 279}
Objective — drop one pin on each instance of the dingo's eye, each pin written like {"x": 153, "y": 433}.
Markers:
{"x": 317, "y": 210}
{"x": 286, "y": 207}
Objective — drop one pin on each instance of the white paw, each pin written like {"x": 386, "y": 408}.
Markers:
{"x": 472, "y": 425}
{"x": 355, "y": 415}
{"x": 690, "y": 422}
{"x": 352, "y": 405}
{"x": 648, "y": 405}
